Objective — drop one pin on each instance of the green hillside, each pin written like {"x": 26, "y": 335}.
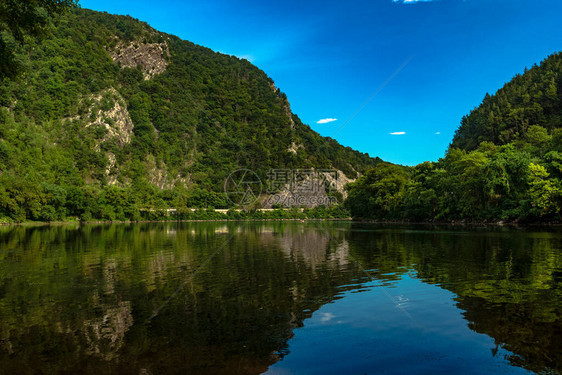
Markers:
{"x": 532, "y": 98}
{"x": 111, "y": 116}
{"x": 504, "y": 163}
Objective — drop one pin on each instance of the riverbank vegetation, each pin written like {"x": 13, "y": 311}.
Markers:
{"x": 202, "y": 214}
{"x": 504, "y": 164}
{"x": 84, "y": 137}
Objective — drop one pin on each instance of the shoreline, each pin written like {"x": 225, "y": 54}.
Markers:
{"x": 90, "y": 222}
{"x": 462, "y": 223}
{"x": 351, "y": 220}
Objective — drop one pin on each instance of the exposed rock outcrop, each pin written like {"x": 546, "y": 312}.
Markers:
{"x": 304, "y": 188}
{"x": 338, "y": 183}
{"x": 286, "y": 106}
{"x": 159, "y": 175}
{"x": 111, "y": 169}
{"x": 289, "y": 113}
{"x": 107, "y": 116}
{"x": 294, "y": 148}
{"x": 150, "y": 57}
{"x": 109, "y": 111}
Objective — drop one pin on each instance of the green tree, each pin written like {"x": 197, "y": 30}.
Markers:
{"x": 19, "y": 18}
{"x": 379, "y": 193}
{"x": 545, "y": 194}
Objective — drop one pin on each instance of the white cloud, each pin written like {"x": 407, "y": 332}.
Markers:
{"x": 326, "y": 120}
{"x": 398, "y": 133}
{"x": 438, "y": 133}
{"x": 411, "y": 1}
{"x": 326, "y": 317}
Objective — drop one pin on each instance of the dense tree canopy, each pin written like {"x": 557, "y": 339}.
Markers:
{"x": 532, "y": 98}
{"x": 85, "y": 135}
{"x": 82, "y": 135}
{"x": 505, "y": 162}
{"x": 19, "y": 18}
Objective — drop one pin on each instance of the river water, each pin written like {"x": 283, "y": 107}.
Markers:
{"x": 280, "y": 298}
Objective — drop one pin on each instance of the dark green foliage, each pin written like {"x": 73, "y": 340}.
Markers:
{"x": 320, "y": 212}
{"x": 204, "y": 117}
{"x": 379, "y": 192}
{"x": 505, "y": 163}
{"x": 19, "y": 18}
{"x": 533, "y": 98}
{"x": 502, "y": 183}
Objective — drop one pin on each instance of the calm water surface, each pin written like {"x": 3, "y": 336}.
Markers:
{"x": 279, "y": 298}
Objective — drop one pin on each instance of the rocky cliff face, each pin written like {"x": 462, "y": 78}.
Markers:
{"x": 108, "y": 117}
{"x": 149, "y": 57}
{"x": 308, "y": 188}
{"x": 108, "y": 110}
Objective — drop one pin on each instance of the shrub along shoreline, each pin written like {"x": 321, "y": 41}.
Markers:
{"x": 193, "y": 215}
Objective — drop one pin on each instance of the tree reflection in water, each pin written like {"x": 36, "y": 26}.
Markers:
{"x": 79, "y": 298}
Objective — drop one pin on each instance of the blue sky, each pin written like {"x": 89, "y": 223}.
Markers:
{"x": 412, "y": 68}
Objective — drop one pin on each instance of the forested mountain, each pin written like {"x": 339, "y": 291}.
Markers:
{"x": 111, "y": 116}
{"x": 532, "y": 98}
{"x": 505, "y": 162}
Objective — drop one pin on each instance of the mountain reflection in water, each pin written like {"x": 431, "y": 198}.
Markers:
{"x": 245, "y": 298}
